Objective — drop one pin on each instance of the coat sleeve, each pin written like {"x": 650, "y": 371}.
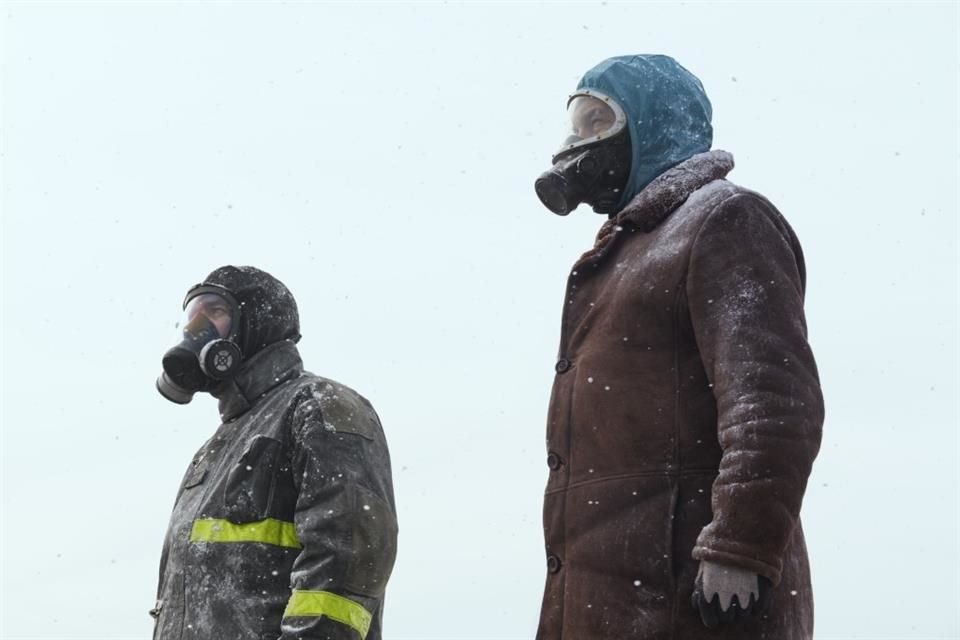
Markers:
{"x": 745, "y": 289}
{"x": 344, "y": 518}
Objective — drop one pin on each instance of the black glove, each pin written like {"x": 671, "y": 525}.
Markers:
{"x": 724, "y": 594}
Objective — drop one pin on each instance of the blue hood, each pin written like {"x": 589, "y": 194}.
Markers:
{"x": 668, "y": 113}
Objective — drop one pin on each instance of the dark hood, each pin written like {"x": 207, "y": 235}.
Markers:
{"x": 268, "y": 312}
{"x": 668, "y": 113}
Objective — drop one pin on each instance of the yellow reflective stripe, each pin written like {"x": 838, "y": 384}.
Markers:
{"x": 269, "y": 531}
{"x": 323, "y": 603}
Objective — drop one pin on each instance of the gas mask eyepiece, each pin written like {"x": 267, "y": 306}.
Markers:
{"x": 593, "y": 164}
{"x": 207, "y": 352}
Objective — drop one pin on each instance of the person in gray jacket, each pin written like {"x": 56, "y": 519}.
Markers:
{"x": 284, "y": 526}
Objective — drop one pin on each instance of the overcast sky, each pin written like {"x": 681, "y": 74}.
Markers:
{"x": 379, "y": 159}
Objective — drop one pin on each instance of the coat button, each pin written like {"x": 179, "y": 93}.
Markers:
{"x": 553, "y": 461}
{"x": 553, "y": 563}
{"x": 563, "y": 365}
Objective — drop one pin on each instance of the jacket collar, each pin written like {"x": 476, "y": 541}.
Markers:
{"x": 266, "y": 370}
{"x": 661, "y": 197}
{"x": 671, "y": 188}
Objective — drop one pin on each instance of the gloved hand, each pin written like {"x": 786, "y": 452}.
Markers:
{"x": 723, "y": 594}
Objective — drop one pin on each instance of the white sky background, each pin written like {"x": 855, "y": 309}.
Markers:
{"x": 380, "y": 161}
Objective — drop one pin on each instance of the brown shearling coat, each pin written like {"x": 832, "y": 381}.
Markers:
{"x": 685, "y": 416}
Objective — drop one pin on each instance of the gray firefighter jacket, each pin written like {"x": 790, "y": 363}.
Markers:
{"x": 284, "y": 526}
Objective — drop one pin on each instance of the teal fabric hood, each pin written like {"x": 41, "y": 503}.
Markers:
{"x": 668, "y": 113}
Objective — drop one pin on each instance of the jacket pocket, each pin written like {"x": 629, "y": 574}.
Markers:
{"x": 248, "y": 492}
{"x": 194, "y": 476}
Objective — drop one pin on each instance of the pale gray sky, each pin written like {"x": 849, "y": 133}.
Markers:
{"x": 379, "y": 159}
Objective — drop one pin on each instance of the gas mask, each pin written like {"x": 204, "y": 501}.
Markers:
{"x": 593, "y": 165}
{"x": 208, "y": 351}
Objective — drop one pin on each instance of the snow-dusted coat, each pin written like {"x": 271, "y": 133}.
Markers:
{"x": 284, "y": 524}
{"x": 685, "y": 416}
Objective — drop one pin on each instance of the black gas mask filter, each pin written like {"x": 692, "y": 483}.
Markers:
{"x": 208, "y": 352}
{"x": 593, "y": 165}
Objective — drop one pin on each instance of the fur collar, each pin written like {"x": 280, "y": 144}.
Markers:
{"x": 671, "y": 188}
{"x": 661, "y": 197}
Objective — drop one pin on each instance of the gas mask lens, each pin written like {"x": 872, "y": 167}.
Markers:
{"x": 208, "y": 313}
{"x": 593, "y": 117}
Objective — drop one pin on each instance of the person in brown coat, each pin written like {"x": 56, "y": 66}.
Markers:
{"x": 686, "y": 410}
